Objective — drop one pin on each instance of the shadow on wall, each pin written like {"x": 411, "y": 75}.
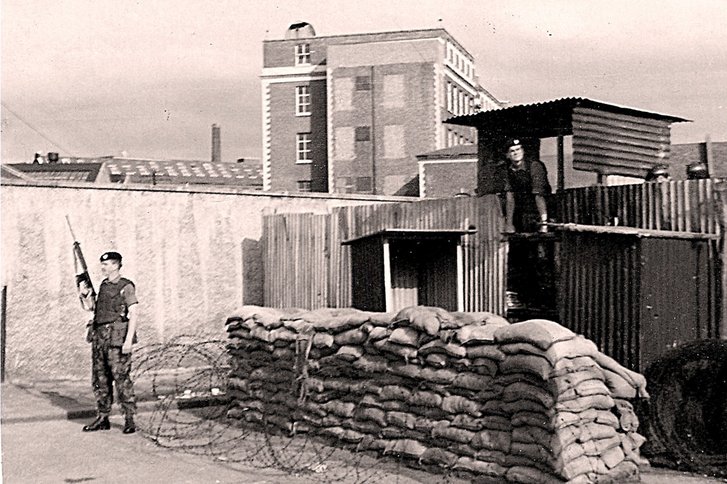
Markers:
{"x": 252, "y": 272}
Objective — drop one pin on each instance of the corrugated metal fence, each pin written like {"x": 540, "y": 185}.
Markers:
{"x": 682, "y": 206}
{"x": 306, "y": 266}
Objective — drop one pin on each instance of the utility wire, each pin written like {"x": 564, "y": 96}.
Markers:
{"x": 64, "y": 150}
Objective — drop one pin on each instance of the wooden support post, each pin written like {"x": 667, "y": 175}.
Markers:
{"x": 388, "y": 290}
{"x": 561, "y": 164}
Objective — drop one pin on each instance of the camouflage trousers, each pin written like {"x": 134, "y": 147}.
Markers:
{"x": 110, "y": 367}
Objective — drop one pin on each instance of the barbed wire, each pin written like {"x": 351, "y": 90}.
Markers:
{"x": 185, "y": 382}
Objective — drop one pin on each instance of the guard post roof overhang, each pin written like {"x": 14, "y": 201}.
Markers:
{"x": 548, "y": 119}
{"x": 608, "y": 139}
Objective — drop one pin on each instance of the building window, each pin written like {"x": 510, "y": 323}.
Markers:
{"x": 302, "y": 54}
{"x": 394, "y": 142}
{"x": 303, "y": 148}
{"x": 343, "y": 145}
{"x": 363, "y": 133}
{"x": 363, "y": 184}
{"x": 304, "y": 185}
{"x": 449, "y": 97}
{"x": 343, "y": 93}
{"x": 363, "y": 83}
{"x": 302, "y": 100}
{"x": 394, "y": 90}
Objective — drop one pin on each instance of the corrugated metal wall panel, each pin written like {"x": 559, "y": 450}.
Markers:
{"x": 598, "y": 290}
{"x": 683, "y": 206}
{"x": 617, "y": 143}
{"x": 484, "y": 251}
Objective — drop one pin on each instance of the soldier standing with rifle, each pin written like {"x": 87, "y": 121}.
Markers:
{"x": 111, "y": 334}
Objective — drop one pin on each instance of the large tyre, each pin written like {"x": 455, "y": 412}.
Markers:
{"x": 685, "y": 421}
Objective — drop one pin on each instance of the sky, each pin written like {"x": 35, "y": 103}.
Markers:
{"x": 148, "y": 78}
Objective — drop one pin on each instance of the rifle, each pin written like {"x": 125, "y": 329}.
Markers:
{"x": 78, "y": 259}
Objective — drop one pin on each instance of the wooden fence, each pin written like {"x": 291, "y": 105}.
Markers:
{"x": 682, "y": 206}
{"x": 306, "y": 266}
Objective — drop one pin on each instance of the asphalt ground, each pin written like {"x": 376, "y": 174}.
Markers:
{"x": 42, "y": 442}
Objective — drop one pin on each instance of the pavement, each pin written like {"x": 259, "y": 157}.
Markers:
{"x": 42, "y": 442}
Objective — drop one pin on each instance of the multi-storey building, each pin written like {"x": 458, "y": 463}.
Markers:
{"x": 349, "y": 113}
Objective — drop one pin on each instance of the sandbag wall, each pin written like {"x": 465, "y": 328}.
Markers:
{"x": 527, "y": 402}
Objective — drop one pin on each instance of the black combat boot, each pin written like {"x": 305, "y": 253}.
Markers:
{"x": 101, "y": 423}
{"x": 129, "y": 426}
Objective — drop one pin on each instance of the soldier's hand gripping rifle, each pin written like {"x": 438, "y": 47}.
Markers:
{"x": 83, "y": 279}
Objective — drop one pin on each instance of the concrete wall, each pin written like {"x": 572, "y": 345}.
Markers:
{"x": 194, "y": 256}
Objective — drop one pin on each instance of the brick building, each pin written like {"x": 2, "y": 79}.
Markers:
{"x": 349, "y": 113}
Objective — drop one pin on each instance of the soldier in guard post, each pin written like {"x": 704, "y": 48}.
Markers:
{"x": 111, "y": 336}
{"x": 525, "y": 185}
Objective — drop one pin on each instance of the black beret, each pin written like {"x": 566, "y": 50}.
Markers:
{"x": 512, "y": 142}
{"x": 111, "y": 256}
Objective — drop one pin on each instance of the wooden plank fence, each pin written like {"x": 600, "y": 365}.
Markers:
{"x": 306, "y": 266}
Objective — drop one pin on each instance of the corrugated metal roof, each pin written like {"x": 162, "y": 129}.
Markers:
{"x": 414, "y": 233}
{"x": 547, "y": 118}
{"x": 458, "y": 151}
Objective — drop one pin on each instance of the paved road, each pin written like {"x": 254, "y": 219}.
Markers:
{"x": 40, "y": 445}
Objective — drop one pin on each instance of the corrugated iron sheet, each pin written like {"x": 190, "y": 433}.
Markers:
{"x": 622, "y": 144}
{"x": 636, "y": 297}
{"x": 290, "y": 272}
{"x": 682, "y": 206}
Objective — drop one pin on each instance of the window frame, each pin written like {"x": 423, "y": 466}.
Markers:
{"x": 303, "y": 101}
{"x": 302, "y": 54}
{"x": 303, "y": 149}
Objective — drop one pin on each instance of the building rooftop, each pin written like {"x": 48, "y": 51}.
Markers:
{"x": 182, "y": 172}
{"x": 54, "y": 171}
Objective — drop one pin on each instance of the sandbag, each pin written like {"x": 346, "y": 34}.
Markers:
{"x": 530, "y": 475}
{"x": 522, "y": 390}
{"x": 395, "y": 392}
{"x": 436, "y": 360}
{"x": 443, "y": 430}
{"x": 401, "y": 419}
{"x": 540, "y": 332}
{"x": 371, "y": 364}
{"x": 443, "y": 376}
{"x": 492, "y": 440}
{"x": 619, "y": 386}
{"x": 491, "y": 352}
{"x": 377, "y": 333}
{"x": 439, "y": 346}
{"x": 420, "y": 317}
{"x": 425, "y": 399}
{"x": 479, "y": 467}
{"x": 599, "y": 402}
{"x": 477, "y": 334}
{"x": 406, "y": 447}
{"x": 456, "y": 404}
{"x": 336, "y": 320}
{"x": 472, "y": 381}
{"x": 441, "y": 457}
{"x": 340, "y": 409}
{"x": 467, "y": 422}
{"x": 532, "y": 364}
{"x": 404, "y": 351}
{"x": 354, "y": 336}
{"x": 349, "y": 353}
{"x": 405, "y": 336}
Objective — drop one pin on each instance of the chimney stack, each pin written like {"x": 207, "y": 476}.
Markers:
{"x": 216, "y": 144}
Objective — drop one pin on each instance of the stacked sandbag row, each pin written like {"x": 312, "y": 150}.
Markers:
{"x": 569, "y": 405}
{"x": 530, "y": 402}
